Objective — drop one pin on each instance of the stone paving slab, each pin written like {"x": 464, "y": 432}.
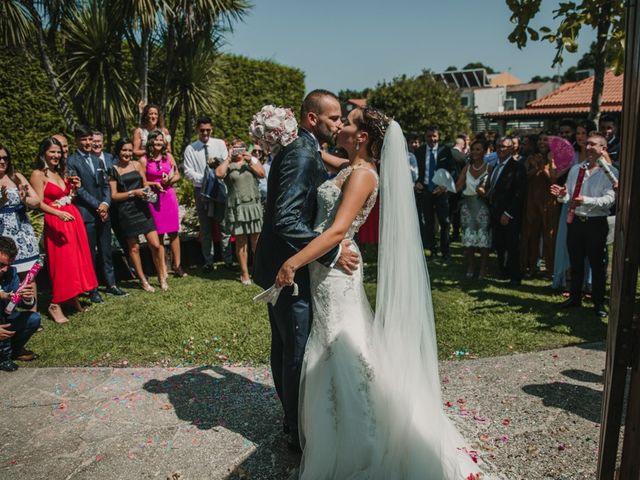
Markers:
{"x": 529, "y": 416}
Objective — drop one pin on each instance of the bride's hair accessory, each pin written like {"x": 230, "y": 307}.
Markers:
{"x": 274, "y": 126}
{"x": 375, "y": 123}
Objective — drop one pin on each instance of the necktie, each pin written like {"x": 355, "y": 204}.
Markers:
{"x": 432, "y": 169}
{"x": 495, "y": 176}
{"x": 90, "y": 163}
{"x": 206, "y": 153}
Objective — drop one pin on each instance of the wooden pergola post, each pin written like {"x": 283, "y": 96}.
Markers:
{"x": 623, "y": 338}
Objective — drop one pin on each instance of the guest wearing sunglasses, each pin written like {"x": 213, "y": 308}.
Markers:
{"x": 162, "y": 172}
{"x": 199, "y": 161}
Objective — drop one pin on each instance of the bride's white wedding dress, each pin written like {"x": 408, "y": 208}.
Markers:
{"x": 370, "y": 403}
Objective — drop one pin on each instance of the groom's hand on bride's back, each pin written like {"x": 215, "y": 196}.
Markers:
{"x": 348, "y": 260}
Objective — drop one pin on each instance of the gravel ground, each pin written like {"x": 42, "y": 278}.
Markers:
{"x": 529, "y": 416}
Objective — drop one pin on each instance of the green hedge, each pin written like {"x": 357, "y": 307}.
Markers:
{"x": 249, "y": 85}
{"x": 28, "y": 111}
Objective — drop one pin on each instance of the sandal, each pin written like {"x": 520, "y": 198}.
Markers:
{"x": 56, "y": 314}
{"x": 146, "y": 286}
{"x": 164, "y": 286}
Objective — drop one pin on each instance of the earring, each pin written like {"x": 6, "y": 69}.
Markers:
{"x": 357, "y": 146}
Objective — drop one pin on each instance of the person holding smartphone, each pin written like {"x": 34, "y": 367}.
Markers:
{"x": 243, "y": 217}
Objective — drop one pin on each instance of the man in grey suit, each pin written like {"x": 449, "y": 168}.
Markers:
{"x": 94, "y": 199}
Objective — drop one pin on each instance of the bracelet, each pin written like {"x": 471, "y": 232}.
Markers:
{"x": 130, "y": 194}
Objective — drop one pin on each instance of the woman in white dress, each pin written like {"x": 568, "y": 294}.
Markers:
{"x": 370, "y": 405}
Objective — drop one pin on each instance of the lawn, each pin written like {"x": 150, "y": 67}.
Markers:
{"x": 211, "y": 319}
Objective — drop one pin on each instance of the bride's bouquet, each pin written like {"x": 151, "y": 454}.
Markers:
{"x": 274, "y": 127}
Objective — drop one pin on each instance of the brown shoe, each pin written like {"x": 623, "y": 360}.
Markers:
{"x": 178, "y": 272}
{"x": 25, "y": 356}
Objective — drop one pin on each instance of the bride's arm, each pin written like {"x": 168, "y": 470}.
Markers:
{"x": 356, "y": 191}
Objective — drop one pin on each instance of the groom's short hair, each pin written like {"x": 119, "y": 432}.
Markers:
{"x": 312, "y": 102}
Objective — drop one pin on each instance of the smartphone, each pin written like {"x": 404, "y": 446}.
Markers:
{"x": 236, "y": 151}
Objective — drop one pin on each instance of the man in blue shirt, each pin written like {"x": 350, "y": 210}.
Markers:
{"x": 16, "y": 328}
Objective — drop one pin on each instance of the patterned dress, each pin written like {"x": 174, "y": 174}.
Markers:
{"x": 15, "y": 224}
{"x": 475, "y": 218}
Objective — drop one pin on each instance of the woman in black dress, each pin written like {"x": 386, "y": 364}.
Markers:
{"x": 129, "y": 193}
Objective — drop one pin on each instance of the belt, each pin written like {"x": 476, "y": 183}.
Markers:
{"x": 585, "y": 219}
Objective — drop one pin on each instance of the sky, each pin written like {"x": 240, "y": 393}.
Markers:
{"x": 354, "y": 44}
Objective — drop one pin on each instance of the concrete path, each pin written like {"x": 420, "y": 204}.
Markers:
{"x": 529, "y": 416}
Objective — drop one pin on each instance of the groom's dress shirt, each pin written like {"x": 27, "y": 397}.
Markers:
{"x": 195, "y": 158}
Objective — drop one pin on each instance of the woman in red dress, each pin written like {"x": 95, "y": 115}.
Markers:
{"x": 68, "y": 256}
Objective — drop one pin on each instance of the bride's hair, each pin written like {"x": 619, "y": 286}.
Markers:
{"x": 375, "y": 123}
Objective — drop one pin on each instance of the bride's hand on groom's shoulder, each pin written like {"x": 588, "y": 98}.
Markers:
{"x": 286, "y": 274}
{"x": 348, "y": 260}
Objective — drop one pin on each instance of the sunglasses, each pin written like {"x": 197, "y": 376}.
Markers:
{"x": 4, "y": 265}
{"x": 4, "y": 157}
{"x": 205, "y": 130}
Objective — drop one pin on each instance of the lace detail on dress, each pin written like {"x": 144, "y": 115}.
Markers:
{"x": 330, "y": 197}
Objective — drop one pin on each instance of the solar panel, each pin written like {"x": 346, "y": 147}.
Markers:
{"x": 473, "y": 78}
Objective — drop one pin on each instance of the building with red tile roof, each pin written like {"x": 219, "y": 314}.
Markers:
{"x": 569, "y": 100}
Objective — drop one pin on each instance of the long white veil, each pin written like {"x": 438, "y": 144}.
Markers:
{"x": 420, "y": 437}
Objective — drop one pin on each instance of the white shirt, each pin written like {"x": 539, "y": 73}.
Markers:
{"x": 597, "y": 191}
{"x": 194, "y": 161}
{"x": 425, "y": 180}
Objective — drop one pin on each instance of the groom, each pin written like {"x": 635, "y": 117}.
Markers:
{"x": 296, "y": 172}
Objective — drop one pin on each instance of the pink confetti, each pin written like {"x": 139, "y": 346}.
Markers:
{"x": 506, "y": 422}
{"x": 99, "y": 458}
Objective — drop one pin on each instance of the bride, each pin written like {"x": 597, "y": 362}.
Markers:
{"x": 370, "y": 405}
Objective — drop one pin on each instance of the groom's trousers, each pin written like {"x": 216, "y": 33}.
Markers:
{"x": 290, "y": 320}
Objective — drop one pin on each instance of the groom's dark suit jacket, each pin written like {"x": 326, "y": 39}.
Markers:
{"x": 296, "y": 172}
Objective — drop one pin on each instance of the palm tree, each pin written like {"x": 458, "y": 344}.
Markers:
{"x": 95, "y": 72}
{"x": 22, "y": 22}
{"x": 188, "y": 20}
{"x": 193, "y": 85}
{"x": 141, "y": 19}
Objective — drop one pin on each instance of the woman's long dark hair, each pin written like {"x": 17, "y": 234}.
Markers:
{"x": 10, "y": 171}
{"x": 150, "y": 139}
{"x": 119, "y": 144}
{"x": 144, "y": 118}
{"x": 41, "y": 164}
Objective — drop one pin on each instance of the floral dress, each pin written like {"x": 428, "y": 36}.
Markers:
{"x": 15, "y": 224}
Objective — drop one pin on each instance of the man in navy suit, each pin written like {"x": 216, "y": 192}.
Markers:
{"x": 296, "y": 172}
{"x": 94, "y": 199}
{"x": 434, "y": 200}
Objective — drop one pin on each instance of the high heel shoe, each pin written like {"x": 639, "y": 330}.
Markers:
{"x": 164, "y": 286}
{"x": 147, "y": 287}
{"x": 77, "y": 306}
{"x": 245, "y": 282}
{"x": 56, "y": 314}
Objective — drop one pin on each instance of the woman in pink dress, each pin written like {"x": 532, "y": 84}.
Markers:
{"x": 162, "y": 172}
{"x": 68, "y": 255}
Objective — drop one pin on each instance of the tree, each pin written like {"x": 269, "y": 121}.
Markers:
{"x": 23, "y": 22}
{"x": 95, "y": 74}
{"x": 477, "y": 65}
{"x": 418, "y": 102}
{"x": 604, "y": 16}
{"x": 348, "y": 94}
